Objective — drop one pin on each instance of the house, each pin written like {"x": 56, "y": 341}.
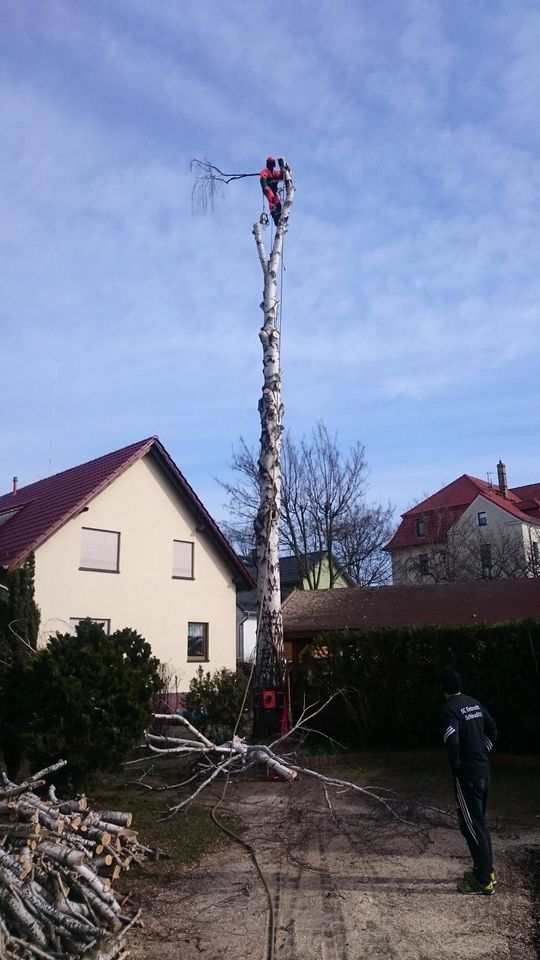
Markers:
{"x": 308, "y": 614}
{"x": 295, "y": 574}
{"x": 470, "y": 529}
{"x": 125, "y": 541}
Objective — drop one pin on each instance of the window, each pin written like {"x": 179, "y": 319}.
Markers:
{"x": 421, "y": 528}
{"x": 103, "y": 622}
{"x": 423, "y": 564}
{"x": 485, "y": 558}
{"x": 535, "y": 557}
{"x": 100, "y": 550}
{"x": 197, "y": 642}
{"x": 482, "y": 518}
{"x": 182, "y": 560}
{"x": 7, "y": 515}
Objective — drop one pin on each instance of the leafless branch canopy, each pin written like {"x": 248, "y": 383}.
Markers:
{"x": 323, "y": 509}
{"x": 209, "y": 181}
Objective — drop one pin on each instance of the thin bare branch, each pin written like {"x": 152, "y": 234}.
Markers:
{"x": 209, "y": 181}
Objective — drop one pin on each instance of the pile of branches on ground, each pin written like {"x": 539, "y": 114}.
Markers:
{"x": 58, "y": 860}
{"x": 236, "y": 756}
{"x": 235, "y": 753}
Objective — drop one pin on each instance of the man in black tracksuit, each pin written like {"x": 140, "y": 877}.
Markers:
{"x": 469, "y": 733}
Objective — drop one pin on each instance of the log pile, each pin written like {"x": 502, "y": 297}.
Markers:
{"x": 58, "y": 861}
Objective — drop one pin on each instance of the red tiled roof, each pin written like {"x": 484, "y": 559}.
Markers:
{"x": 43, "y": 507}
{"x": 529, "y": 499}
{"x": 308, "y": 612}
{"x": 444, "y": 508}
{"x": 530, "y": 490}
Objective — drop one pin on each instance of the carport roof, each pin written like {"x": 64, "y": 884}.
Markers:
{"x": 308, "y": 612}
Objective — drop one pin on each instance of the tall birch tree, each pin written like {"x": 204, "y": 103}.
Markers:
{"x": 270, "y": 667}
{"x": 270, "y": 658}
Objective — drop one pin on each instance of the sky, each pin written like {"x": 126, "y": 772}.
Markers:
{"x": 412, "y": 276}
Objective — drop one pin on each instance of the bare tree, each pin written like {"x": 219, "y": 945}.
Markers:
{"x": 323, "y": 509}
{"x": 270, "y": 660}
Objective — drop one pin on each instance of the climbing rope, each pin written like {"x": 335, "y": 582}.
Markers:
{"x": 280, "y": 302}
{"x": 264, "y": 221}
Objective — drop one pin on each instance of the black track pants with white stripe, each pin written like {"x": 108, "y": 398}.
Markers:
{"x": 472, "y": 797}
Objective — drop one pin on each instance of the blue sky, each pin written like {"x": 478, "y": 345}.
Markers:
{"x": 412, "y": 281}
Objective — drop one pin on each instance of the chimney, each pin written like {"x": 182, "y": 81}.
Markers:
{"x": 15, "y": 479}
{"x": 503, "y": 485}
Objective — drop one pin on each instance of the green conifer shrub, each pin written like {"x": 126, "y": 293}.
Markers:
{"x": 19, "y": 628}
{"x": 21, "y": 611}
{"x": 83, "y": 698}
{"x": 214, "y": 702}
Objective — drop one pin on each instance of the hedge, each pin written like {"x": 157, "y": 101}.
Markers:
{"x": 391, "y": 679}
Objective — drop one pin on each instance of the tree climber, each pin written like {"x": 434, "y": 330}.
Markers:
{"x": 269, "y": 183}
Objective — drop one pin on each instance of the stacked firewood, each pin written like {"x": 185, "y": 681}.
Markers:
{"x": 58, "y": 861}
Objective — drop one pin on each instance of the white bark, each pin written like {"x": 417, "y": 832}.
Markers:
{"x": 270, "y": 664}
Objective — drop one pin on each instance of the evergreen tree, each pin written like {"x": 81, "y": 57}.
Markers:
{"x": 19, "y": 616}
{"x": 84, "y": 698}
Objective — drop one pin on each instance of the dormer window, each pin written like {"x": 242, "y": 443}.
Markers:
{"x": 421, "y": 527}
{"x": 7, "y": 515}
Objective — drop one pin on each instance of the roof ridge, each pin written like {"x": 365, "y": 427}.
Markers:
{"x": 46, "y": 529}
{"x": 79, "y": 466}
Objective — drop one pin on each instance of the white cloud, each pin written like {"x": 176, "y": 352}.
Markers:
{"x": 412, "y": 260}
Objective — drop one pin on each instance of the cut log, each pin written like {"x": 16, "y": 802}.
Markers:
{"x": 116, "y": 816}
{"x": 58, "y": 863}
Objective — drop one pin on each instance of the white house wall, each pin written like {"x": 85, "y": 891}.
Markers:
{"x": 143, "y": 506}
{"x": 499, "y": 521}
{"x": 502, "y": 524}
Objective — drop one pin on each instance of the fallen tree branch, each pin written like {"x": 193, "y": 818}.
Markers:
{"x": 243, "y": 755}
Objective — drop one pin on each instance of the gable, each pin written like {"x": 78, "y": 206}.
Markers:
{"x": 45, "y": 506}
{"x": 439, "y": 513}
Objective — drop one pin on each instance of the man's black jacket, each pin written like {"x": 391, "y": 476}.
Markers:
{"x": 469, "y": 733}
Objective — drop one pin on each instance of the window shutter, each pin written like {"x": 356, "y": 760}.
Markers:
{"x": 99, "y": 549}
{"x": 183, "y": 559}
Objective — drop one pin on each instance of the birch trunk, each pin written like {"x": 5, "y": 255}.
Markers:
{"x": 270, "y": 660}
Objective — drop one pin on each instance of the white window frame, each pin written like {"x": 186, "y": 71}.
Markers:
{"x": 420, "y": 527}
{"x": 91, "y": 549}
{"x": 198, "y": 658}
{"x": 183, "y": 560}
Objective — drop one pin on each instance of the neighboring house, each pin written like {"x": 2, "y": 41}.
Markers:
{"x": 308, "y": 614}
{"x": 294, "y": 575}
{"x": 471, "y": 529}
{"x": 125, "y": 541}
